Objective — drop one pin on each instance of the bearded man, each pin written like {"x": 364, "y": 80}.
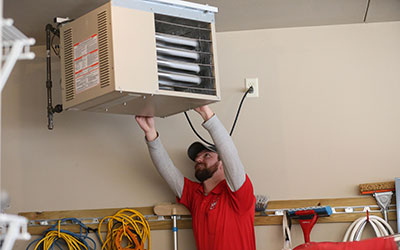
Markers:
{"x": 222, "y": 203}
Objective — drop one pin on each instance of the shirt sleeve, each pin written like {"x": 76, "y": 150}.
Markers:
{"x": 187, "y": 194}
{"x": 234, "y": 171}
{"x": 165, "y": 166}
{"x": 243, "y": 199}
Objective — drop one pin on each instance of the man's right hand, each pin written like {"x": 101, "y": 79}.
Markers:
{"x": 146, "y": 123}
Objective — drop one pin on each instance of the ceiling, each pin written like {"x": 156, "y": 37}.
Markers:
{"x": 31, "y": 17}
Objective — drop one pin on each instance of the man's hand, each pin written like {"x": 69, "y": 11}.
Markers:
{"x": 205, "y": 112}
{"x": 146, "y": 123}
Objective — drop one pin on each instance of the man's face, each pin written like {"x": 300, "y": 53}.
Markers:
{"x": 206, "y": 165}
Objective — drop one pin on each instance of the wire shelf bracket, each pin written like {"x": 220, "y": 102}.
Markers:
{"x": 15, "y": 46}
{"x": 12, "y": 228}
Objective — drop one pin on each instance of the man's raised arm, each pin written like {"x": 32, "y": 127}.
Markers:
{"x": 160, "y": 157}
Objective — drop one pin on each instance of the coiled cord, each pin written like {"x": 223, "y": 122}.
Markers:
{"x": 355, "y": 230}
{"x": 55, "y": 235}
{"x": 126, "y": 224}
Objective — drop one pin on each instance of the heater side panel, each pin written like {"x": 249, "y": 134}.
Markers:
{"x": 86, "y": 59}
{"x": 135, "y": 59}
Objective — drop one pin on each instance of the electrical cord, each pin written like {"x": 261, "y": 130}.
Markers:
{"x": 128, "y": 224}
{"x": 55, "y": 235}
{"x": 234, "y": 122}
{"x": 52, "y": 46}
{"x": 355, "y": 230}
{"x": 286, "y": 227}
{"x": 194, "y": 130}
{"x": 57, "y": 53}
{"x": 238, "y": 111}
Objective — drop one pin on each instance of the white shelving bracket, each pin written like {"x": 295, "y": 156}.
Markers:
{"x": 15, "y": 46}
{"x": 13, "y": 228}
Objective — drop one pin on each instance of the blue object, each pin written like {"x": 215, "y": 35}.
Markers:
{"x": 321, "y": 211}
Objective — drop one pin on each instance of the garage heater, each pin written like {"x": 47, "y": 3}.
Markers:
{"x": 141, "y": 57}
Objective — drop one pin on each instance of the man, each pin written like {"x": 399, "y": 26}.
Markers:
{"x": 223, "y": 203}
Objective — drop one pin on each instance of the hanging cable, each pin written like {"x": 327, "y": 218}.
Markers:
{"x": 194, "y": 130}
{"x": 238, "y": 111}
{"x": 55, "y": 236}
{"x": 126, "y": 224}
{"x": 286, "y": 227}
{"x": 234, "y": 122}
{"x": 366, "y": 11}
{"x": 355, "y": 230}
{"x": 57, "y": 53}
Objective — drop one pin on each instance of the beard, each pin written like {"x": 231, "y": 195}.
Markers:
{"x": 206, "y": 172}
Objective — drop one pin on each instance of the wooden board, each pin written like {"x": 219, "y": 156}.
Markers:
{"x": 185, "y": 223}
{"x": 334, "y": 218}
{"x": 87, "y": 213}
{"x": 154, "y": 225}
{"x": 336, "y": 202}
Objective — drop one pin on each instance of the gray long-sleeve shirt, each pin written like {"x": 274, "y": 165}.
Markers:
{"x": 233, "y": 167}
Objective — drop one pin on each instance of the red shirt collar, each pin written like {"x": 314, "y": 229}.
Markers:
{"x": 216, "y": 190}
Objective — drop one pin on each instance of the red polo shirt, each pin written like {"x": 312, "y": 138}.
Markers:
{"x": 222, "y": 220}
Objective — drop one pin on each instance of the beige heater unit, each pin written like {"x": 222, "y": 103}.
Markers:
{"x": 142, "y": 57}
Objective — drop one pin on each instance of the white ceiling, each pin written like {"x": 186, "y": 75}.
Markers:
{"x": 31, "y": 16}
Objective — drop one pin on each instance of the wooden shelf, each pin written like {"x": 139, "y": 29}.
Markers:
{"x": 185, "y": 223}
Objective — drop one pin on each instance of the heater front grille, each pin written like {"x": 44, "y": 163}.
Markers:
{"x": 184, "y": 55}
{"x": 102, "y": 26}
{"x": 68, "y": 65}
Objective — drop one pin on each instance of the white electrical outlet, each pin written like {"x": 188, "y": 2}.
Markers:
{"x": 252, "y": 82}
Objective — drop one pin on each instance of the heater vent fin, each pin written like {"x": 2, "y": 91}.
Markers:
{"x": 104, "y": 59}
{"x": 68, "y": 65}
{"x": 184, "y": 55}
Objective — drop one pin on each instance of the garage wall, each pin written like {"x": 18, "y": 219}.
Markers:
{"x": 326, "y": 120}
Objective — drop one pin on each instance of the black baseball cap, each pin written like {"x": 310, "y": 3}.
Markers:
{"x": 197, "y": 147}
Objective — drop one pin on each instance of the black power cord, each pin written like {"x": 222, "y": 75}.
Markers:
{"x": 250, "y": 90}
{"x": 194, "y": 130}
{"x": 53, "y": 47}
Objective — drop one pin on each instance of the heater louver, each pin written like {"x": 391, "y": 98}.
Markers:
{"x": 102, "y": 26}
{"x": 69, "y": 70}
{"x": 184, "y": 55}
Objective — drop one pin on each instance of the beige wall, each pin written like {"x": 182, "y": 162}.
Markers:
{"x": 327, "y": 119}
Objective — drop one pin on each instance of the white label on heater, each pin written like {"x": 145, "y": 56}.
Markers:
{"x": 86, "y": 64}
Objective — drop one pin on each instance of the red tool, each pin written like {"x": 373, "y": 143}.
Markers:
{"x": 307, "y": 219}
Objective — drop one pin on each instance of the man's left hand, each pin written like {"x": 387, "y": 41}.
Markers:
{"x": 205, "y": 112}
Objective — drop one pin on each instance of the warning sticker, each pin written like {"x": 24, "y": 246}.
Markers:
{"x": 86, "y": 62}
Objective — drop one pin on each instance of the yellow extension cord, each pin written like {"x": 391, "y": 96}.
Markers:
{"x": 130, "y": 221}
{"x": 72, "y": 242}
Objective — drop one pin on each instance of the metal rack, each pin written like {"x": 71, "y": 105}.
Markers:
{"x": 12, "y": 227}
{"x": 15, "y": 45}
